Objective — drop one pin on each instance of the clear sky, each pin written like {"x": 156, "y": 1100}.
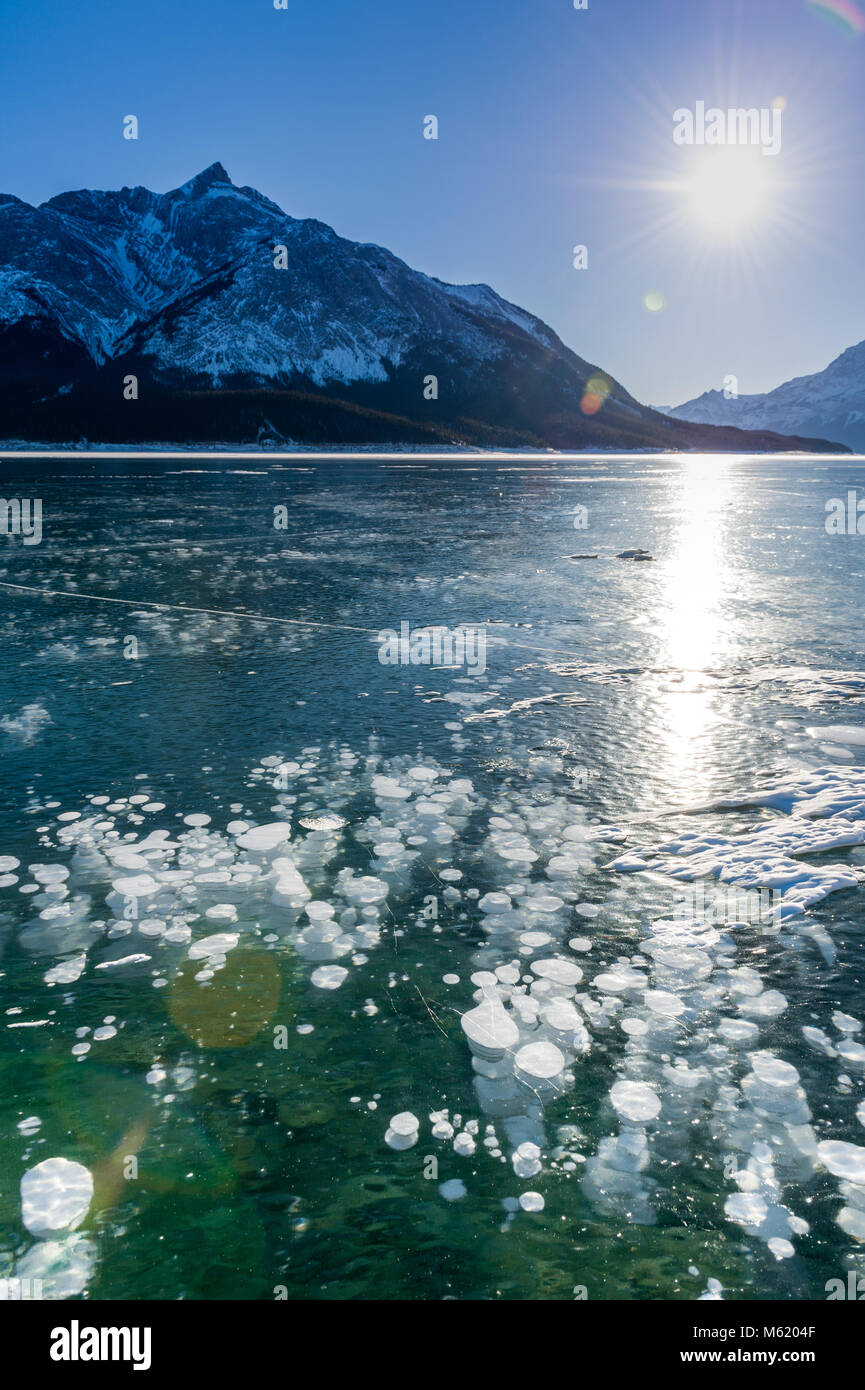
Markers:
{"x": 556, "y": 128}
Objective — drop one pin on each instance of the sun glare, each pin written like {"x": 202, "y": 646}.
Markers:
{"x": 729, "y": 189}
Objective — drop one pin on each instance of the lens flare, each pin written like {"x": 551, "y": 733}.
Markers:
{"x": 844, "y": 13}
{"x": 597, "y": 390}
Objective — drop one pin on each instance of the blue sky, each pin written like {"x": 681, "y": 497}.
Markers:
{"x": 555, "y": 129}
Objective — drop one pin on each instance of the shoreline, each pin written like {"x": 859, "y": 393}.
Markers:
{"x": 198, "y": 451}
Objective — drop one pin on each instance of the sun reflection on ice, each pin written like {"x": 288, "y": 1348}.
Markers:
{"x": 696, "y": 580}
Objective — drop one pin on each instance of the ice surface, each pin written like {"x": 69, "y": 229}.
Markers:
{"x": 825, "y": 811}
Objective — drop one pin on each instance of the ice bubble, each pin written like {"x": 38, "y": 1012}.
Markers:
{"x": 534, "y": 940}
{"x": 767, "y": 1005}
{"x": 290, "y": 887}
{"x": 739, "y": 1032}
{"x": 526, "y": 1160}
{"x": 318, "y": 911}
{"x": 464, "y": 1145}
{"x": 389, "y": 789}
{"x": 323, "y": 820}
{"x": 67, "y": 972}
{"x": 542, "y": 902}
{"x": 494, "y": 902}
{"x": 402, "y": 1132}
{"x": 781, "y": 1249}
{"x": 8, "y": 863}
{"x": 405, "y": 1123}
{"x": 484, "y": 979}
{"x": 746, "y": 1208}
{"x": 852, "y": 1221}
{"x": 451, "y": 979}
{"x": 562, "y": 972}
{"x": 264, "y": 839}
{"x": 636, "y": 1027}
{"x": 580, "y": 943}
{"x": 539, "y": 1061}
{"x": 328, "y": 976}
{"x": 490, "y": 1029}
{"x": 773, "y": 1072}
{"x": 635, "y": 1101}
{"x": 55, "y": 1196}
{"x": 663, "y": 1003}
{"x": 223, "y": 913}
{"x": 136, "y": 886}
{"x": 127, "y": 859}
{"x": 216, "y": 945}
{"x": 619, "y": 980}
{"x": 152, "y": 926}
{"x": 845, "y": 1023}
{"x": 843, "y": 1160}
{"x": 562, "y": 1016}
{"x": 532, "y": 1201}
{"x": 454, "y": 1190}
{"x": 196, "y": 821}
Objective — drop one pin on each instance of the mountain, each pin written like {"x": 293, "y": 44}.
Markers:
{"x": 243, "y": 324}
{"x": 830, "y": 403}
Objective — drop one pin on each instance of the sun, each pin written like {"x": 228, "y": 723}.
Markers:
{"x": 729, "y": 190}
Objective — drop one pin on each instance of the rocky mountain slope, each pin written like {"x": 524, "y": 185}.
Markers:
{"x": 830, "y": 403}
{"x": 241, "y": 323}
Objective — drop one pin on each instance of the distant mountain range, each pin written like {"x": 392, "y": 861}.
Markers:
{"x": 243, "y": 324}
{"x": 830, "y": 403}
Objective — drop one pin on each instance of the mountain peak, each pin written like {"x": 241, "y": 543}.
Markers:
{"x": 335, "y": 346}
{"x": 214, "y": 173}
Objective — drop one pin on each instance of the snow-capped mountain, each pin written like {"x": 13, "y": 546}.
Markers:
{"x": 830, "y": 403}
{"x": 240, "y": 322}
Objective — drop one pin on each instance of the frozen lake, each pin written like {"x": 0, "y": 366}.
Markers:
{"x": 517, "y": 977}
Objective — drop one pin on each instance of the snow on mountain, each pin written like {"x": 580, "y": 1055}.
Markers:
{"x": 108, "y": 263}
{"x": 830, "y": 404}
